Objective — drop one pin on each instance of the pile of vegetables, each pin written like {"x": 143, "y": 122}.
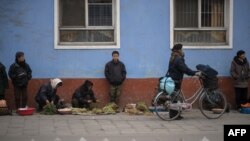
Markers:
{"x": 110, "y": 108}
{"x": 97, "y": 111}
{"x": 139, "y": 108}
{"x": 76, "y": 111}
{"x": 49, "y": 109}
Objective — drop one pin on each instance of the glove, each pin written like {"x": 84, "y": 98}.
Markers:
{"x": 198, "y": 73}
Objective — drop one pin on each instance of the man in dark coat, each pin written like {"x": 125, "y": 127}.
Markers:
{"x": 240, "y": 72}
{"x": 83, "y": 96}
{"x": 176, "y": 70}
{"x": 3, "y": 81}
{"x": 47, "y": 93}
{"x": 115, "y": 73}
{"x": 20, "y": 74}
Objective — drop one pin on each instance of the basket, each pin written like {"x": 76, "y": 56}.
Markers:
{"x": 5, "y": 111}
{"x": 65, "y": 111}
{"x": 245, "y": 110}
{"x": 25, "y": 111}
{"x": 217, "y": 110}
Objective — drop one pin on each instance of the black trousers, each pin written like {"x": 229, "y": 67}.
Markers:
{"x": 21, "y": 96}
{"x": 240, "y": 96}
{"x": 173, "y": 113}
{"x": 80, "y": 104}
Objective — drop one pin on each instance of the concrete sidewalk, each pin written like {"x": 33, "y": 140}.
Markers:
{"x": 120, "y": 127}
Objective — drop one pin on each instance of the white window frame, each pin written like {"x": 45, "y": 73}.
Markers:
{"x": 228, "y": 23}
{"x": 116, "y": 22}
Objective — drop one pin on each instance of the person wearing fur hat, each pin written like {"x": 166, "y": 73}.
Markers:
{"x": 20, "y": 73}
{"x": 83, "y": 96}
{"x": 47, "y": 94}
{"x": 240, "y": 72}
{"x": 176, "y": 70}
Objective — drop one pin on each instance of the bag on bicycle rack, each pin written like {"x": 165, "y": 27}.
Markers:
{"x": 209, "y": 79}
{"x": 167, "y": 84}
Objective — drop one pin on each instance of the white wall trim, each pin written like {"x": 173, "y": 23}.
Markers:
{"x": 116, "y": 31}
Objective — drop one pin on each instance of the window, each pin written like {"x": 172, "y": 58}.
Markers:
{"x": 86, "y": 24}
{"x": 201, "y": 23}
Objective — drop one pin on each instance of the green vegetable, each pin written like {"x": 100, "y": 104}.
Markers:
{"x": 141, "y": 106}
{"x": 110, "y": 108}
{"x": 49, "y": 109}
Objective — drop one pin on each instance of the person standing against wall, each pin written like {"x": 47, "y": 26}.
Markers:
{"x": 240, "y": 72}
{"x": 115, "y": 73}
{"x": 20, "y": 73}
{"x": 3, "y": 81}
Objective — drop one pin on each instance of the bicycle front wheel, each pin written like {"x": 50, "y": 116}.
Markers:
{"x": 166, "y": 106}
{"x": 212, "y": 104}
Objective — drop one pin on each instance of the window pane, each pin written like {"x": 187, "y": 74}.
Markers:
{"x": 87, "y": 36}
{"x": 212, "y": 13}
{"x": 186, "y": 13}
{"x": 73, "y": 12}
{"x": 200, "y": 37}
{"x": 100, "y": 14}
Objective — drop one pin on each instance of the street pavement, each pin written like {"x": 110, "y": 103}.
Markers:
{"x": 118, "y": 127}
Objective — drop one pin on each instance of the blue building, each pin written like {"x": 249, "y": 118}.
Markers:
{"x": 73, "y": 39}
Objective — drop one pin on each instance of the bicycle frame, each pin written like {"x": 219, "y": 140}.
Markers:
{"x": 191, "y": 100}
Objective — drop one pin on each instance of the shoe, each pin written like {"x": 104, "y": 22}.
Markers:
{"x": 179, "y": 118}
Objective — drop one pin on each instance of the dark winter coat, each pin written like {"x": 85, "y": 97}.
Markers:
{"x": 20, "y": 74}
{"x": 46, "y": 92}
{"x": 240, "y": 72}
{"x": 115, "y": 72}
{"x": 177, "y": 68}
{"x": 3, "y": 79}
{"x": 83, "y": 93}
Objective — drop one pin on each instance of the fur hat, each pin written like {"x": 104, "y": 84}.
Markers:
{"x": 240, "y": 52}
{"x": 177, "y": 47}
{"x": 19, "y": 54}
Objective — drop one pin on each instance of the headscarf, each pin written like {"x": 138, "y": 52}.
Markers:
{"x": 55, "y": 82}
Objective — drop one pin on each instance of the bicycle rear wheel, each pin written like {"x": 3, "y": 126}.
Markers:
{"x": 212, "y": 104}
{"x": 166, "y": 106}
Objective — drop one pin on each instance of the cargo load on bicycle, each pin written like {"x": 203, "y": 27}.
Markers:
{"x": 209, "y": 78}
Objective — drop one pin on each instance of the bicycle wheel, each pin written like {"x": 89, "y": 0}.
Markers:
{"x": 212, "y": 104}
{"x": 166, "y": 107}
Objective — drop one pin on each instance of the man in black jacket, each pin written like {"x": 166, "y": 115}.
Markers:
{"x": 115, "y": 73}
{"x": 176, "y": 70}
{"x": 3, "y": 81}
{"x": 47, "y": 94}
{"x": 20, "y": 74}
{"x": 83, "y": 96}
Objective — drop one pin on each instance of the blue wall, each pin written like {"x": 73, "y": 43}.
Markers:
{"x": 28, "y": 25}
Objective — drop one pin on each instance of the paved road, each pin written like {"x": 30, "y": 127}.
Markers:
{"x": 119, "y": 127}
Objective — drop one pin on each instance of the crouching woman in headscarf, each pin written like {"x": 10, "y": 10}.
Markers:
{"x": 47, "y": 93}
{"x": 83, "y": 96}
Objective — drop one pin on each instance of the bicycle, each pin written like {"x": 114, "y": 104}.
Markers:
{"x": 212, "y": 102}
